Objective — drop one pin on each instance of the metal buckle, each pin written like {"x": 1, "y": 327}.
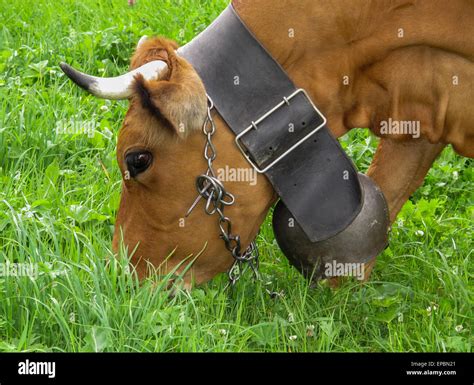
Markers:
{"x": 254, "y": 125}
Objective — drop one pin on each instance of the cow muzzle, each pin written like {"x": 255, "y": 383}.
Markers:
{"x": 361, "y": 241}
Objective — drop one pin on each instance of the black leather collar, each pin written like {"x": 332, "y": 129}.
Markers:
{"x": 316, "y": 180}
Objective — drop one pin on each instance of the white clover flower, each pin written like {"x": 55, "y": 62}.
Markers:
{"x": 291, "y": 317}
{"x": 292, "y": 338}
{"x": 26, "y": 211}
{"x": 420, "y": 233}
{"x": 459, "y": 328}
{"x": 107, "y": 133}
{"x": 104, "y": 108}
{"x": 223, "y": 332}
{"x": 310, "y": 330}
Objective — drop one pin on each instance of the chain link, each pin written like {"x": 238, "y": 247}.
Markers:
{"x": 217, "y": 198}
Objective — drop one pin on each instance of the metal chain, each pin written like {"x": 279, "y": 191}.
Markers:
{"x": 217, "y": 198}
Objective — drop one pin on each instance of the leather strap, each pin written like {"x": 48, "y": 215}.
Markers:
{"x": 317, "y": 181}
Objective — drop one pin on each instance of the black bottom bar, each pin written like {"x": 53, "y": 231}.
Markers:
{"x": 64, "y": 368}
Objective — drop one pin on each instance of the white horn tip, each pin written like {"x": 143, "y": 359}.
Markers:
{"x": 142, "y": 40}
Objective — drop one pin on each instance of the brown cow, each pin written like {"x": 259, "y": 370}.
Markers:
{"x": 364, "y": 63}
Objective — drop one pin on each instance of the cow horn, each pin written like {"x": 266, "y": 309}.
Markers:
{"x": 142, "y": 40}
{"x": 113, "y": 88}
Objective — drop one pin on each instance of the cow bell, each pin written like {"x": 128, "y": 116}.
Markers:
{"x": 362, "y": 240}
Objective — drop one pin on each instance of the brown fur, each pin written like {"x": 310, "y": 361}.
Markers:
{"x": 403, "y": 78}
{"x": 177, "y": 98}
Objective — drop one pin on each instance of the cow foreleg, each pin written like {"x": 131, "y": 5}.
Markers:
{"x": 399, "y": 168}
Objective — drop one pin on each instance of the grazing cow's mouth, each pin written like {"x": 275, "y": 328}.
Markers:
{"x": 275, "y": 125}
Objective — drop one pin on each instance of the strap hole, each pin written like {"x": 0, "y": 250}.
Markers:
{"x": 270, "y": 148}
{"x": 303, "y": 123}
{"x": 315, "y": 140}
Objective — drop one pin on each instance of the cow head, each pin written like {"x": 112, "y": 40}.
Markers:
{"x": 160, "y": 154}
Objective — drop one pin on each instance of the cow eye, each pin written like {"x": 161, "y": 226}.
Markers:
{"x": 137, "y": 162}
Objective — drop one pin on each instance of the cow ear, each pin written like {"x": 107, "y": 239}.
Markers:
{"x": 177, "y": 98}
{"x": 148, "y": 50}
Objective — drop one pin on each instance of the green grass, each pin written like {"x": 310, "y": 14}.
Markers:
{"x": 59, "y": 195}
